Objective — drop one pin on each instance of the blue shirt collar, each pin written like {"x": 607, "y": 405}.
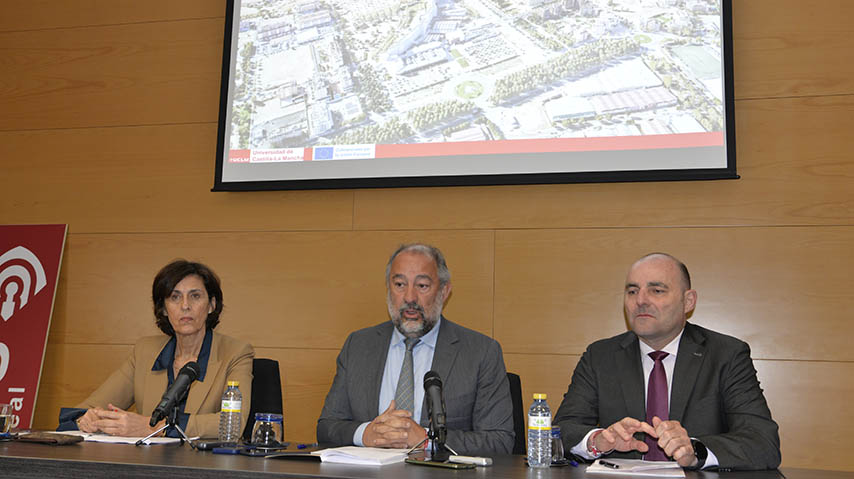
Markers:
{"x": 429, "y": 339}
{"x": 167, "y": 357}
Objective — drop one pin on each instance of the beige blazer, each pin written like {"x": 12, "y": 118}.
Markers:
{"x": 134, "y": 383}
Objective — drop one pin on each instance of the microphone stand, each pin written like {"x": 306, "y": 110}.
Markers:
{"x": 171, "y": 421}
{"x": 439, "y": 451}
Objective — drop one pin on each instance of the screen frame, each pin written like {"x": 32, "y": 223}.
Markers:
{"x": 728, "y": 172}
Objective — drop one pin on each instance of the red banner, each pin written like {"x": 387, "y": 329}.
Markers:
{"x": 30, "y": 257}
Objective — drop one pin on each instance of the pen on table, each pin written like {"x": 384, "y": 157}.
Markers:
{"x": 609, "y": 464}
{"x": 303, "y": 446}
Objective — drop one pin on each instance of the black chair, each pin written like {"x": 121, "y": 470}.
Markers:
{"x": 266, "y": 391}
{"x": 519, "y": 447}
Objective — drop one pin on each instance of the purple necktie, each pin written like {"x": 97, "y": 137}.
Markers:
{"x": 656, "y": 404}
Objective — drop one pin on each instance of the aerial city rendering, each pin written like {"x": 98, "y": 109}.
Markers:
{"x": 342, "y": 72}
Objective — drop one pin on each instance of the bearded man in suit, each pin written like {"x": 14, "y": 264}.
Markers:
{"x": 668, "y": 389}
{"x": 372, "y": 402}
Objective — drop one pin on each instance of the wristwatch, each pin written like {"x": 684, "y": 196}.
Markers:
{"x": 700, "y": 452}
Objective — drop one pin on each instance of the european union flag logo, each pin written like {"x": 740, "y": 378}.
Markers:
{"x": 324, "y": 152}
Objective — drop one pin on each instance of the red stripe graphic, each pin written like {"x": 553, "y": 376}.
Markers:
{"x": 544, "y": 145}
{"x": 551, "y": 145}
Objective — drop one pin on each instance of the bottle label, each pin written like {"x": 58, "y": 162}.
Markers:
{"x": 540, "y": 422}
{"x": 231, "y": 406}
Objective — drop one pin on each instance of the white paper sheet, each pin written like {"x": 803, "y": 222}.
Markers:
{"x": 368, "y": 456}
{"x": 91, "y": 437}
{"x": 636, "y": 467}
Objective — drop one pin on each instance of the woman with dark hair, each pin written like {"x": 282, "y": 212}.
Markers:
{"x": 187, "y": 303}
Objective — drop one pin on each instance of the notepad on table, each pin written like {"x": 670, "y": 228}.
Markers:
{"x": 368, "y": 456}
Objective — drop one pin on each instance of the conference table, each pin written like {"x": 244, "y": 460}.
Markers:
{"x": 93, "y": 460}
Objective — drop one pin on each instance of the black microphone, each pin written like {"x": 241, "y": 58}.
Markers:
{"x": 435, "y": 406}
{"x": 174, "y": 393}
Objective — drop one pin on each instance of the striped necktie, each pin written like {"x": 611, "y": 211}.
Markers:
{"x": 403, "y": 396}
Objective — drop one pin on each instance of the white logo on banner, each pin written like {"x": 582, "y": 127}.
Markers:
{"x": 10, "y": 291}
{"x": 4, "y": 360}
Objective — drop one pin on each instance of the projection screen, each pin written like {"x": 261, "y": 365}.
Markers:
{"x": 382, "y": 93}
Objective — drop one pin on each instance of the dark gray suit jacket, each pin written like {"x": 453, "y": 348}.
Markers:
{"x": 716, "y": 396}
{"x": 476, "y": 391}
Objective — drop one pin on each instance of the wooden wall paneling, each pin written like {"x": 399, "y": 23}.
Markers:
{"x": 793, "y": 158}
{"x": 295, "y": 290}
{"x": 104, "y": 291}
{"x": 557, "y": 291}
{"x": 143, "y": 179}
{"x": 783, "y": 290}
{"x": 783, "y": 49}
{"x": 811, "y": 401}
{"x": 542, "y": 373}
{"x": 70, "y": 373}
{"x": 133, "y": 74}
{"x": 19, "y": 15}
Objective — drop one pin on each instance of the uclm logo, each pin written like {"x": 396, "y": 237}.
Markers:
{"x": 30, "y": 256}
{"x": 21, "y": 277}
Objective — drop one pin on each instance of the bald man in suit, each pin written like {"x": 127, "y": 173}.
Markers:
{"x": 715, "y": 412}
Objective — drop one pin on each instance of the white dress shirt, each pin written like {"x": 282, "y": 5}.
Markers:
{"x": 669, "y": 364}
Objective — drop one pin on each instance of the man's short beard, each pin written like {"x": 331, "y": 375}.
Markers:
{"x": 421, "y": 328}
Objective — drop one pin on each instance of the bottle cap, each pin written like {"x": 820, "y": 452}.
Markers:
{"x": 540, "y": 396}
{"x": 234, "y": 383}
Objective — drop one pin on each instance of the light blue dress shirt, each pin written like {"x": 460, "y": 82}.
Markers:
{"x": 422, "y": 361}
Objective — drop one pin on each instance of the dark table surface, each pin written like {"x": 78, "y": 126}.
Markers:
{"x": 97, "y": 460}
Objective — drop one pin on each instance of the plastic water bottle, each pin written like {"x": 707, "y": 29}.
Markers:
{"x": 229, "y": 414}
{"x": 539, "y": 433}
